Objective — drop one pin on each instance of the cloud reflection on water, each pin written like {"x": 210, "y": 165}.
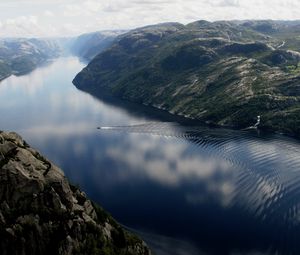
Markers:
{"x": 205, "y": 184}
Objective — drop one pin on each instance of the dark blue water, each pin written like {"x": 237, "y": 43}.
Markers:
{"x": 185, "y": 189}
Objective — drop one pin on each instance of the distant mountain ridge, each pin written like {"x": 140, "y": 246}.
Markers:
{"x": 89, "y": 45}
{"x": 20, "y": 56}
{"x": 224, "y": 72}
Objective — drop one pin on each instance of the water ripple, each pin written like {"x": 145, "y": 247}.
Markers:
{"x": 268, "y": 179}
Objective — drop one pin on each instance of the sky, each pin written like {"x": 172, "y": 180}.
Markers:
{"x": 48, "y": 18}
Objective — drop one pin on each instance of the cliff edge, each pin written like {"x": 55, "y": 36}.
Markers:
{"x": 41, "y": 213}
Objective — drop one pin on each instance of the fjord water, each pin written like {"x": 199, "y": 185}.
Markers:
{"x": 185, "y": 189}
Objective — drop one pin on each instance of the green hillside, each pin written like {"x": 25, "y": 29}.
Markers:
{"x": 226, "y": 73}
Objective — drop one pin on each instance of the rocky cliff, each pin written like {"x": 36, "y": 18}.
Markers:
{"x": 41, "y": 213}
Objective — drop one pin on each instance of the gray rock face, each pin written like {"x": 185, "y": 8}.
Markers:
{"x": 41, "y": 213}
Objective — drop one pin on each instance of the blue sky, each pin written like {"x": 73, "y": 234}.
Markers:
{"x": 40, "y": 18}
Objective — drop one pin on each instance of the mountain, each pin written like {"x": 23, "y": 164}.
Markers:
{"x": 87, "y": 46}
{"x": 41, "y": 213}
{"x": 20, "y": 56}
{"x": 225, "y": 72}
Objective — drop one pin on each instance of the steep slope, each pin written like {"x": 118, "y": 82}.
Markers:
{"x": 226, "y": 73}
{"x": 87, "y": 46}
{"x": 41, "y": 213}
{"x": 20, "y": 56}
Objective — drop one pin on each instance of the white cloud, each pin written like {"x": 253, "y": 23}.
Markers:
{"x": 48, "y": 13}
{"x": 89, "y": 15}
{"x": 20, "y": 25}
{"x": 228, "y": 3}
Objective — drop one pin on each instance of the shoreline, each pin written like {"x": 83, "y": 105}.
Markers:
{"x": 177, "y": 117}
